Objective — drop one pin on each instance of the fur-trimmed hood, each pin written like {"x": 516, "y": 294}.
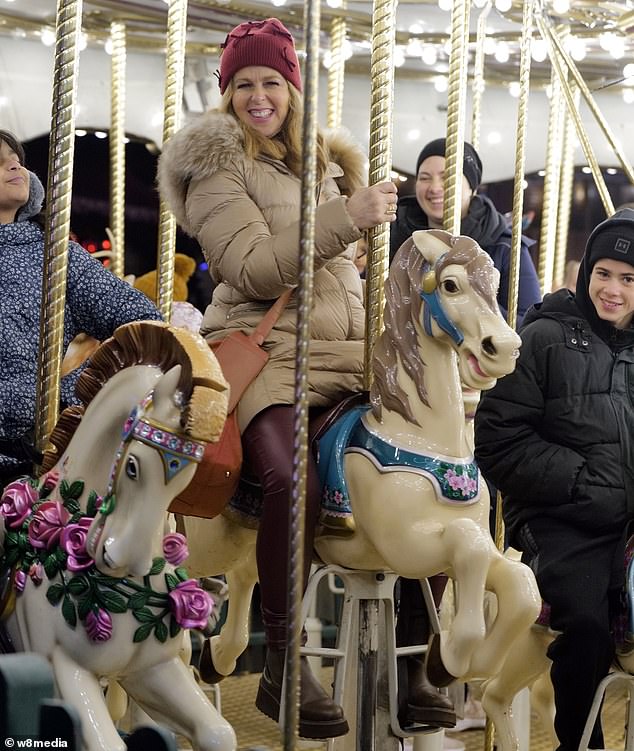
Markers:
{"x": 214, "y": 141}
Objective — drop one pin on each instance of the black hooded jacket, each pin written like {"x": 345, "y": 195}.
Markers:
{"x": 555, "y": 436}
{"x": 484, "y": 224}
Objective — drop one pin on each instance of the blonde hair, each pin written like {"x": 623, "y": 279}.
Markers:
{"x": 287, "y": 144}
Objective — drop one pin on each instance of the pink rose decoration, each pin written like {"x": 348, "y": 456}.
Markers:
{"x": 47, "y": 525}
{"x": 190, "y": 605}
{"x": 36, "y": 572}
{"x": 17, "y": 500}
{"x": 175, "y": 548}
{"x": 98, "y": 625}
{"x": 51, "y": 479}
{"x": 19, "y": 581}
{"x": 73, "y": 541}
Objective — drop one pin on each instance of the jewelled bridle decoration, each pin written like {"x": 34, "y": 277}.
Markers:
{"x": 433, "y": 308}
{"x": 176, "y": 451}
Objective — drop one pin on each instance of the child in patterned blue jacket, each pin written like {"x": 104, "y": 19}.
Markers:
{"x": 97, "y": 302}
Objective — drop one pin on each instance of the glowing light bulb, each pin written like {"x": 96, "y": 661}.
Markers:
{"x": 48, "y": 37}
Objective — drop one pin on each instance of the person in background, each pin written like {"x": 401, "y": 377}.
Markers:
{"x": 571, "y": 272}
{"x": 96, "y": 304}
{"x": 233, "y": 180}
{"x": 480, "y": 220}
{"x": 556, "y": 437}
{"x": 489, "y": 228}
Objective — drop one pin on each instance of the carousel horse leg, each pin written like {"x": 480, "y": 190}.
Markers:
{"x": 168, "y": 694}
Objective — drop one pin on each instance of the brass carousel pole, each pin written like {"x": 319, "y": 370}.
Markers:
{"x": 589, "y": 99}
{"x": 336, "y": 72}
{"x": 516, "y": 239}
{"x": 552, "y": 182}
{"x": 556, "y": 61}
{"x": 381, "y": 106}
{"x": 300, "y": 415}
{"x": 566, "y": 187}
{"x": 59, "y": 194}
{"x": 456, "y": 109}
{"x": 117, "y": 147}
{"x": 173, "y": 104}
{"x": 478, "y": 77}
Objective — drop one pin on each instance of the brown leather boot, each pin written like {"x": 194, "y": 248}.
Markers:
{"x": 426, "y": 705}
{"x": 319, "y": 716}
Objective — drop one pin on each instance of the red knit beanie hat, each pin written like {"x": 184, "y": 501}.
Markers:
{"x": 259, "y": 43}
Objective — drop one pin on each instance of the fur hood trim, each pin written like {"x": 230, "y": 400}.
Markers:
{"x": 213, "y": 141}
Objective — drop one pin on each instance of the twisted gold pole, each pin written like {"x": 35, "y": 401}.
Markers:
{"x": 556, "y": 61}
{"x": 478, "y": 77}
{"x": 302, "y": 355}
{"x": 59, "y": 195}
{"x": 567, "y": 179}
{"x": 552, "y": 181}
{"x": 336, "y": 72}
{"x": 592, "y": 105}
{"x": 382, "y": 98}
{"x": 456, "y": 108}
{"x": 117, "y": 146}
{"x": 173, "y": 104}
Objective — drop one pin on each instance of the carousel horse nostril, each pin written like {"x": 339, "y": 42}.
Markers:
{"x": 488, "y": 347}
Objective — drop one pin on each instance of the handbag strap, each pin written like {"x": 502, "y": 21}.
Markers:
{"x": 263, "y": 329}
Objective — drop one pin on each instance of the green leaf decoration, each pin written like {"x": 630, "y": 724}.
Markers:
{"x": 144, "y": 615}
{"x": 10, "y": 538}
{"x": 11, "y": 556}
{"x": 171, "y": 581}
{"x": 91, "y": 504}
{"x": 113, "y": 602}
{"x": 138, "y": 601}
{"x": 55, "y": 593}
{"x": 174, "y": 627}
{"x": 182, "y": 573}
{"x": 108, "y": 504}
{"x": 76, "y": 489}
{"x": 64, "y": 489}
{"x": 72, "y": 506}
{"x": 23, "y": 540}
{"x": 78, "y": 585}
{"x": 158, "y": 564}
{"x": 69, "y": 612}
{"x": 61, "y": 556}
{"x": 142, "y": 633}
{"x": 84, "y": 606}
{"x": 160, "y": 631}
{"x": 51, "y": 565}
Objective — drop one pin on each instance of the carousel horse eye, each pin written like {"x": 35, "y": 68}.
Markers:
{"x": 450, "y": 286}
{"x": 132, "y": 468}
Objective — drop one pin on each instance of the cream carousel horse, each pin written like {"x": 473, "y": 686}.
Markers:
{"x": 420, "y": 506}
{"x": 97, "y": 583}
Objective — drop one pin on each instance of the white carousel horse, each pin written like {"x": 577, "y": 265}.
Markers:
{"x": 97, "y": 585}
{"x": 419, "y": 504}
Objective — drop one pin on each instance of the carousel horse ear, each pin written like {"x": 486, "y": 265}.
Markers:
{"x": 432, "y": 243}
{"x": 163, "y": 404}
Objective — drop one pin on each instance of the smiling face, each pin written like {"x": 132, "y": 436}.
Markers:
{"x": 430, "y": 190}
{"x": 260, "y": 99}
{"x": 611, "y": 291}
{"x": 14, "y": 183}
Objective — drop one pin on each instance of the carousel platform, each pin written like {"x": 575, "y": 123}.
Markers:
{"x": 256, "y": 732}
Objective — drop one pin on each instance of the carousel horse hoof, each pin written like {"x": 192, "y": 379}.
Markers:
{"x": 426, "y": 705}
{"x": 319, "y": 716}
{"x": 436, "y": 672}
{"x": 206, "y": 668}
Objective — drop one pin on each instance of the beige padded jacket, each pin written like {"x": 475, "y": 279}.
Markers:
{"x": 245, "y": 215}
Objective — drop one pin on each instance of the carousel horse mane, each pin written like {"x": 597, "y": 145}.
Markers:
{"x": 163, "y": 346}
{"x": 403, "y": 304}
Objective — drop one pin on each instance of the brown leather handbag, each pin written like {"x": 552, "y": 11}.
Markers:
{"x": 241, "y": 358}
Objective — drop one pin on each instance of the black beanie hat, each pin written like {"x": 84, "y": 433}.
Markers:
{"x": 613, "y": 238}
{"x": 471, "y": 164}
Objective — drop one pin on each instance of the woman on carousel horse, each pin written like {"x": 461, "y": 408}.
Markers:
{"x": 555, "y": 437}
{"x": 233, "y": 180}
{"x": 97, "y": 302}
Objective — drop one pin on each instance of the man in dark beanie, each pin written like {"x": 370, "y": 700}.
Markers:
{"x": 480, "y": 219}
{"x": 556, "y": 437}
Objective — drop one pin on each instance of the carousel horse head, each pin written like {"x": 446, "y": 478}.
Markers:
{"x": 442, "y": 287}
{"x": 153, "y": 395}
